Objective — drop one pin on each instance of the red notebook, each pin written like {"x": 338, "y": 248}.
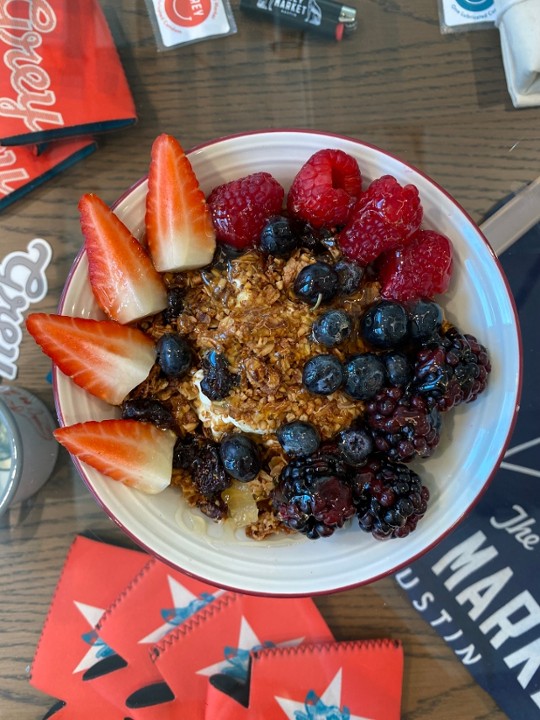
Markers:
{"x": 60, "y": 74}
{"x": 22, "y": 169}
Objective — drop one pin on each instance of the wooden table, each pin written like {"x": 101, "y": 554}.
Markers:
{"x": 438, "y": 101}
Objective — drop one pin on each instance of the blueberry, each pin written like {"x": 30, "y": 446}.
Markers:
{"x": 385, "y": 324}
{"x": 240, "y": 457}
{"x": 398, "y": 368}
{"x": 318, "y": 280}
{"x": 350, "y": 276}
{"x": 173, "y": 355}
{"x": 323, "y": 374}
{"x": 277, "y": 238}
{"x": 355, "y": 444}
{"x": 425, "y": 319}
{"x": 332, "y": 328}
{"x": 364, "y": 375}
{"x": 298, "y": 438}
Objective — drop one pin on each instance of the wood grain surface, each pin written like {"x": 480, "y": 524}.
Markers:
{"x": 438, "y": 101}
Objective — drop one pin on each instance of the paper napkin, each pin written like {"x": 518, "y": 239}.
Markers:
{"x": 60, "y": 74}
{"x": 339, "y": 680}
{"x": 155, "y": 603}
{"x": 519, "y": 26}
{"x": 92, "y": 577}
{"x": 22, "y": 169}
{"x": 212, "y": 649}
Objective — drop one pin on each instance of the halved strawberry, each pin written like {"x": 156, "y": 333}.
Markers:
{"x": 137, "y": 454}
{"x": 179, "y": 229}
{"x": 125, "y": 283}
{"x": 105, "y": 358}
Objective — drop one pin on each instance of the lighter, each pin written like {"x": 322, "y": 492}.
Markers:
{"x": 325, "y": 17}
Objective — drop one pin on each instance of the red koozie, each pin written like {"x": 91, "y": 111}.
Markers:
{"x": 93, "y": 576}
{"x": 359, "y": 680}
{"x": 157, "y": 601}
{"x": 60, "y": 74}
{"x": 206, "y": 660}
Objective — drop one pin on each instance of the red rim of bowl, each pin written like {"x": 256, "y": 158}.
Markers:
{"x": 496, "y": 464}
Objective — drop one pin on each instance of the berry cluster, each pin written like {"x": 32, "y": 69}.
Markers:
{"x": 397, "y": 358}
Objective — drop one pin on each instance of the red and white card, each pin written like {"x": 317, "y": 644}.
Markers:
{"x": 60, "y": 73}
{"x": 93, "y": 576}
{"x": 359, "y": 680}
{"x": 155, "y": 603}
{"x": 211, "y": 651}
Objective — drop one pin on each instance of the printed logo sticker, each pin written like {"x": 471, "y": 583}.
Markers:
{"x": 22, "y": 282}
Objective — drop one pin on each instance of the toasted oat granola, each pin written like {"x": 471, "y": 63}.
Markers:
{"x": 244, "y": 307}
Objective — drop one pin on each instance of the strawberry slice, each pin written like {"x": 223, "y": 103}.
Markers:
{"x": 105, "y": 358}
{"x": 125, "y": 283}
{"x": 179, "y": 228}
{"x": 137, "y": 454}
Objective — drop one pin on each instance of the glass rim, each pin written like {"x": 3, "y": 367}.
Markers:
{"x": 8, "y": 490}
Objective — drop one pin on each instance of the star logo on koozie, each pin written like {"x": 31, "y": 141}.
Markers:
{"x": 184, "y": 603}
{"x": 239, "y": 655}
{"x": 328, "y": 705}
{"x": 98, "y": 649}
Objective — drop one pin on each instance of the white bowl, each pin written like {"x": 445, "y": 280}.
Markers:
{"x": 474, "y": 436}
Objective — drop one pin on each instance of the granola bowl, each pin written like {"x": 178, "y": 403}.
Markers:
{"x": 472, "y": 442}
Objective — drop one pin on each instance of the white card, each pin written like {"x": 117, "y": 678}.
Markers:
{"x": 456, "y": 13}
{"x": 177, "y": 22}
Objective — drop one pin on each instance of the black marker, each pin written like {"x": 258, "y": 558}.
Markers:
{"x": 326, "y": 17}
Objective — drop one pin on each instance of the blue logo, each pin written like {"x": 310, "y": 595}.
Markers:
{"x": 475, "y": 5}
{"x": 316, "y": 709}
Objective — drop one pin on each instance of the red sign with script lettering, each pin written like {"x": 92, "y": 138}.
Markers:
{"x": 60, "y": 74}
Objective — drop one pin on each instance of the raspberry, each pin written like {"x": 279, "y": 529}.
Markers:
{"x": 325, "y": 189}
{"x": 421, "y": 269}
{"x": 384, "y": 218}
{"x": 241, "y": 208}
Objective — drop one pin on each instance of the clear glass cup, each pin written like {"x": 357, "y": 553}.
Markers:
{"x": 28, "y": 450}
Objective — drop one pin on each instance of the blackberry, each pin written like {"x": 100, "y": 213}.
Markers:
{"x": 390, "y": 499}
{"x": 313, "y": 494}
{"x": 403, "y": 424}
{"x": 218, "y": 380}
{"x": 451, "y": 370}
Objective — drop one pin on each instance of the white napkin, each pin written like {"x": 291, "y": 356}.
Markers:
{"x": 519, "y": 26}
